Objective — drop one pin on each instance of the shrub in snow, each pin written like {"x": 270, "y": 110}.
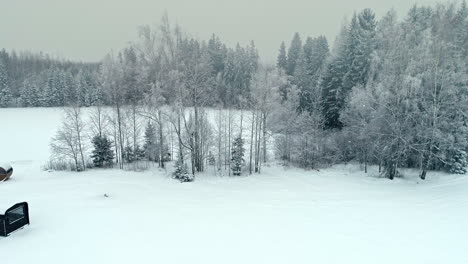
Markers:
{"x": 102, "y": 153}
{"x": 59, "y": 165}
{"x": 131, "y": 155}
{"x": 181, "y": 173}
{"x": 211, "y": 159}
{"x": 128, "y": 154}
{"x": 139, "y": 153}
{"x": 457, "y": 162}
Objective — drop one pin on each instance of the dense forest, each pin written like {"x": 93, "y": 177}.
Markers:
{"x": 391, "y": 92}
{"x": 29, "y": 80}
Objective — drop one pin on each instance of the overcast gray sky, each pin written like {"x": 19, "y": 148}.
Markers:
{"x": 87, "y": 29}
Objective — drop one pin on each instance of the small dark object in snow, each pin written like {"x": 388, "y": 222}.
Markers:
{"x": 5, "y": 172}
{"x": 105, "y": 195}
{"x": 15, "y": 217}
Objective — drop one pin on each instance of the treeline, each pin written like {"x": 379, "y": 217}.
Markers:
{"x": 169, "y": 78}
{"x": 31, "y": 80}
{"x": 391, "y": 92}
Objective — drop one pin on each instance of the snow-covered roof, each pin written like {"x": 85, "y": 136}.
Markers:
{"x": 5, "y": 166}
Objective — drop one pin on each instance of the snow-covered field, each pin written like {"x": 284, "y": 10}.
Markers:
{"x": 337, "y": 215}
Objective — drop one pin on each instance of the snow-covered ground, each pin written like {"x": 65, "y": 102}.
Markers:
{"x": 337, "y": 215}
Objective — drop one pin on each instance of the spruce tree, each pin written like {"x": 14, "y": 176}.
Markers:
{"x": 332, "y": 102}
{"x": 332, "y": 84}
{"x": 308, "y": 72}
{"x": 150, "y": 145}
{"x": 26, "y": 94}
{"x": 102, "y": 153}
{"x": 139, "y": 153}
{"x": 294, "y": 52}
{"x": 70, "y": 89}
{"x": 181, "y": 172}
{"x": 50, "y": 93}
{"x": 237, "y": 156}
{"x": 128, "y": 154}
{"x": 361, "y": 44}
{"x": 457, "y": 162}
{"x": 282, "y": 61}
{"x": 349, "y": 68}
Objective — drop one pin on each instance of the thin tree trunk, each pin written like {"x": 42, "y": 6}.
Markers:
{"x": 119, "y": 122}
{"x": 251, "y": 141}
{"x": 259, "y": 160}
{"x": 241, "y": 119}
{"x": 134, "y": 135}
{"x": 179, "y": 136}
{"x": 229, "y": 140}
{"x": 365, "y": 161}
{"x": 161, "y": 142}
{"x": 256, "y": 142}
{"x": 226, "y": 145}
{"x": 219, "y": 139}
{"x": 264, "y": 138}
{"x": 78, "y": 128}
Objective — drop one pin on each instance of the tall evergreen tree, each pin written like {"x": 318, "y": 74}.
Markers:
{"x": 51, "y": 93}
{"x": 308, "y": 72}
{"x": 30, "y": 94}
{"x": 237, "y": 156}
{"x": 150, "y": 146}
{"x": 332, "y": 83}
{"x": 361, "y": 44}
{"x": 332, "y": 100}
{"x": 102, "y": 154}
{"x": 349, "y": 67}
{"x": 294, "y": 52}
{"x": 282, "y": 61}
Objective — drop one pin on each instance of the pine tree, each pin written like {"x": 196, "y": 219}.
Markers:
{"x": 150, "y": 146}
{"x": 102, "y": 153}
{"x": 139, "y": 153}
{"x": 181, "y": 172}
{"x": 332, "y": 100}
{"x": 361, "y": 44}
{"x": 28, "y": 94}
{"x": 50, "y": 94}
{"x": 458, "y": 162}
{"x": 5, "y": 93}
{"x": 282, "y": 61}
{"x": 294, "y": 52}
{"x": 70, "y": 89}
{"x": 308, "y": 72}
{"x": 35, "y": 95}
{"x": 128, "y": 154}
{"x": 211, "y": 159}
{"x": 237, "y": 156}
{"x": 87, "y": 93}
{"x": 349, "y": 68}
{"x": 60, "y": 83}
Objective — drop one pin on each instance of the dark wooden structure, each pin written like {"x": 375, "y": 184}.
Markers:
{"x": 5, "y": 172}
{"x": 15, "y": 217}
